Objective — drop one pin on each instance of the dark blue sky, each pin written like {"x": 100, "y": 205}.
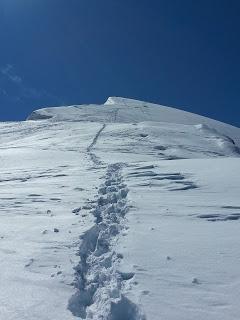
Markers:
{"x": 181, "y": 53}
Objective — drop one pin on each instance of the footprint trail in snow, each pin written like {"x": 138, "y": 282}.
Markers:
{"x": 98, "y": 282}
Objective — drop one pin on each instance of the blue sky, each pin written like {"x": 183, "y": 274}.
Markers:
{"x": 181, "y": 53}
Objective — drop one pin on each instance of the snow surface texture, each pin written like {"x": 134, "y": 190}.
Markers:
{"x": 127, "y": 110}
{"x": 123, "y": 211}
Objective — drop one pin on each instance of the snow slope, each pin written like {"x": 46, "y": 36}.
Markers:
{"x": 125, "y": 211}
{"x": 125, "y": 110}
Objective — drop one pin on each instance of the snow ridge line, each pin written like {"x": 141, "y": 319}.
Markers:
{"x": 92, "y": 155}
{"x": 98, "y": 282}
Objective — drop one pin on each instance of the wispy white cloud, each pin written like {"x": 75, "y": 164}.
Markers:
{"x": 22, "y": 91}
{"x": 8, "y": 72}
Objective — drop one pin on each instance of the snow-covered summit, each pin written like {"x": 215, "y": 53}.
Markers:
{"x": 124, "y": 110}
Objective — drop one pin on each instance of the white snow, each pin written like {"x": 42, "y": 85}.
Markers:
{"x": 128, "y": 110}
{"x": 122, "y": 211}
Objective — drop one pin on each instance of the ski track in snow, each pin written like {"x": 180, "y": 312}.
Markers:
{"x": 98, "y": 281}
{"x": 113, "y": 115}
{"x": 92, "y": 155}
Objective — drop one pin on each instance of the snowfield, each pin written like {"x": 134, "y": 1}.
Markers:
{"x": 122, "y": 211}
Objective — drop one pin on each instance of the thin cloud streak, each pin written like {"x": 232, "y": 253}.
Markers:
{"x": 22, "y": 91}
{"x": 8, "y": 72}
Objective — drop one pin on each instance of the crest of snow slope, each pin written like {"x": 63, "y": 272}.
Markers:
{"x": 133, "y": 216}
{"x": 125, "y": 110}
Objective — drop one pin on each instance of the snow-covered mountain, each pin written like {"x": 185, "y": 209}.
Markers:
{"x": 121, "y": 211}
{"x": 124, "y": 110}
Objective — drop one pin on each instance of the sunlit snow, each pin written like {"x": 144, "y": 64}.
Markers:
{"x": 121, "y": 211}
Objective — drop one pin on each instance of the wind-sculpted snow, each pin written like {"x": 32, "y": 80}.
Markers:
{"x": 163, "y": 141}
